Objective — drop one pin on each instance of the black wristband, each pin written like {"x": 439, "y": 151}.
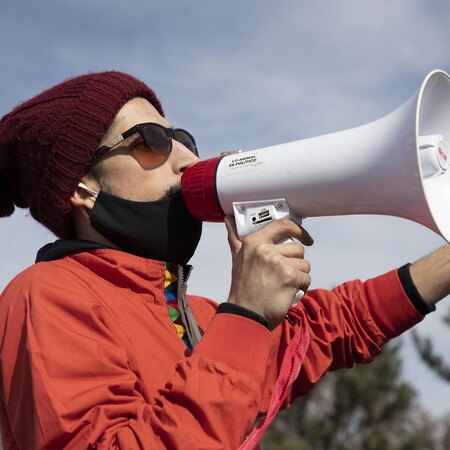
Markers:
{"x": 232, "y": 308}
{"x": 411, "y": 291}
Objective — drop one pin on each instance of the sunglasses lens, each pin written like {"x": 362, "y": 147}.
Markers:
{"x": 156, "y": 139}
{"x": 183, "y": 137}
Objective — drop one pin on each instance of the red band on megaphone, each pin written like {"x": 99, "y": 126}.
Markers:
{"x": 198, "y": 184}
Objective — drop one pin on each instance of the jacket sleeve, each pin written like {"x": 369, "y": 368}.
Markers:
{"x": 348, "y": 325}
{"x": 68, "y": 379}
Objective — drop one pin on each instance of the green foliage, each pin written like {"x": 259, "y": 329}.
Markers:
{"x": 429, "y": 355}
{"x": 368, "y": 407}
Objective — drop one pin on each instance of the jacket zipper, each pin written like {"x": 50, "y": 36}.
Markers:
{"x": 187, "y": 316}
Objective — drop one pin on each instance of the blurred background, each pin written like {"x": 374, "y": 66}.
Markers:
{"x": 247, "y": 75}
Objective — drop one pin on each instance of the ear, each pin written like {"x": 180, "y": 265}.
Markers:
{"x": 81, "y": 198}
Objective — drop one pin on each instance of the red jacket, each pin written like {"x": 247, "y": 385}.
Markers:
{"x": 89, "y": 357}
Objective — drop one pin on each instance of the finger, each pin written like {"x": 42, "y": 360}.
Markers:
{"x": 304, "y": 283}
{"x": 298, "y": 275}
{"x": 306, "y": 238}
{"x": 300, "y": 265}
{"x": 303, "y": 277}
{"x": 290, "y": 249}
{"x": 281, "y": 229}
{"x": 233, "y": 238}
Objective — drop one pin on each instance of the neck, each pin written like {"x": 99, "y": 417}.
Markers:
{"x": 84, "y": 230}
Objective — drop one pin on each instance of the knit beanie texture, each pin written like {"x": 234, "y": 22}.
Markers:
{"x": 46, "y": 143}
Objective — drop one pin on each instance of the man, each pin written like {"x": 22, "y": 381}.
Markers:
{"x": 100, "y": 346}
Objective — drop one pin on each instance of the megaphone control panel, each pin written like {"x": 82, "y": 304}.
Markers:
{"x": 251, "y": 216}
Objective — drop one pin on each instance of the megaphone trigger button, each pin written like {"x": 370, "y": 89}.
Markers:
{"x": 442, "y": 155}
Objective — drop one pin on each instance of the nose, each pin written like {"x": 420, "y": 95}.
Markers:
{"x": 183, "y": 157}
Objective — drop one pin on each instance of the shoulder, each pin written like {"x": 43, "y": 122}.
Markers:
{"x": 46, "y": 288}
{"x": 46, "y": 275}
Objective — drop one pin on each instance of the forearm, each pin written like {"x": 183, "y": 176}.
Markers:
{"x": 348, "y": 325}
{"x": 431, "y": 275}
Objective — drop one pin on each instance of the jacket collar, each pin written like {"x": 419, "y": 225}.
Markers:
{"x": 60, "y": 248}
{"x": 106, "y": 260}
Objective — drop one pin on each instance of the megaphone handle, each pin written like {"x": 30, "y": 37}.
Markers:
{"x": 298, "y": 296}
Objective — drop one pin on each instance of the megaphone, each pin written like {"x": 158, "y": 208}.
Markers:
{"x": 396, "y": 165}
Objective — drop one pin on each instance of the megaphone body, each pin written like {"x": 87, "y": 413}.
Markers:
{"x": 396, "y": 166}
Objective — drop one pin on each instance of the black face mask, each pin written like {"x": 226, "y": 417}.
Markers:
{"x": 163, "y": 229}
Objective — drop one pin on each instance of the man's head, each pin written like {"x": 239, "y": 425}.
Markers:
{"x": 132, "y": 187}
{"x": 46, "y": 143}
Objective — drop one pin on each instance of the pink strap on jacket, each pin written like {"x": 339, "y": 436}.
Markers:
{"x": 290, "y": 368}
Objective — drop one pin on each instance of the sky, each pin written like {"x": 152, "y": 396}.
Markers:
{"x": 246, "y": 75}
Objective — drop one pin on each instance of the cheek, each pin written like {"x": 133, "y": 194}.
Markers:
{"x": 128, "y": 178}
{"x": 149, "y": 160}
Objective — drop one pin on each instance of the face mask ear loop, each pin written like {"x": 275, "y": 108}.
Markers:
{"x": 83, "y": 186}
{"x": 93, "y": 193}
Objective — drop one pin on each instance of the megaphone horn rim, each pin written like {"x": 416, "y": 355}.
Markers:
{"x": 438, "y": 222}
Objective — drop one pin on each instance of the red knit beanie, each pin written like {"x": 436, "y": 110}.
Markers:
{"x": 47, "y": 142}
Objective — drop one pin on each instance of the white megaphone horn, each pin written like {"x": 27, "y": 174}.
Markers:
{"x": 397, "y": 165}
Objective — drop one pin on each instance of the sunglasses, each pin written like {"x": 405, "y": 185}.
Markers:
{"x": 155, "y": 137}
